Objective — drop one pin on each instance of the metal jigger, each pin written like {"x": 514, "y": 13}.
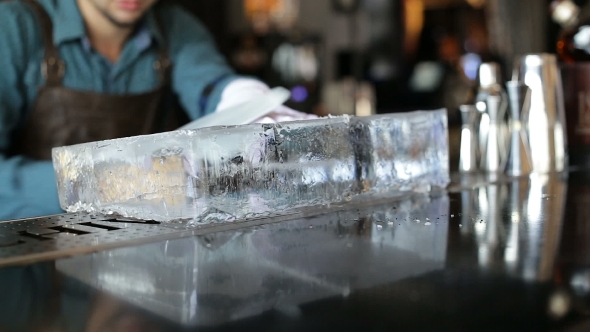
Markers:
{"x": 493, "y": 158}
{"x": 468, "y": 152}
{"x": 519, "y": 159}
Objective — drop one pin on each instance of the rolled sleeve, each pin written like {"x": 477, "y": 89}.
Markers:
{"x": 197, "y": 63}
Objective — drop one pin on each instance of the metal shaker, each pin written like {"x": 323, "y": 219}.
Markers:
{"x": 519, "y": 162}
{"x": 546, "y": 120}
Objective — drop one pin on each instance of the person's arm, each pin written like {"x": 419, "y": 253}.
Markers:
{"x": 27, "y": 187}
{"x": 200, "y": 72}
{"x": 202, "y": 78}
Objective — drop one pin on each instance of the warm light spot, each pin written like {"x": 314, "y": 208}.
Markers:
{"x": 414, "y": 19}
{"x": 476, "y": 3}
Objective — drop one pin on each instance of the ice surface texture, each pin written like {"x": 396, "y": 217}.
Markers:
{"x": 234, "y": 172}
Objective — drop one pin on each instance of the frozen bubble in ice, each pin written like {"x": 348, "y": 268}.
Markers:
{"x": 346, "y": 292}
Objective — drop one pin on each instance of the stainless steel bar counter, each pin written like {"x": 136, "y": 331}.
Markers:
{"x": 502, "y": 255}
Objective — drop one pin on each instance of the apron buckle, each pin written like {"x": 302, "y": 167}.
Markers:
{"x": 162, "y": 67}
{"x": 53, "y": 67}
{"x": 162, "y": 64}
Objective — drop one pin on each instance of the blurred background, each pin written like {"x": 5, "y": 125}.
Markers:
{"x": 375, "y": 56}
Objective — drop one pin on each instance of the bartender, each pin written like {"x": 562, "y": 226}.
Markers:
{"x": 76, "y": 71}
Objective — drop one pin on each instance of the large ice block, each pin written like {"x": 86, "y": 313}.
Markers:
{"x": 233, "y": 172}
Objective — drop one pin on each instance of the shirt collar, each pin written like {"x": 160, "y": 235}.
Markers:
{"x": 151, "y": 25}
{"x": 69, "y": 25}
{"x": 142, "y": 40}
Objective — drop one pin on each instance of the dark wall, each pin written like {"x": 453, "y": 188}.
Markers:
{"x": 553, "y": 28}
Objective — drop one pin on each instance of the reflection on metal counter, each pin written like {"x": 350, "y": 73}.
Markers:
{"x": 488, "y": 250}
{"x": 574, "y": 270}
{"x": 227, "y": 276}
{"x": 516, "y": 225}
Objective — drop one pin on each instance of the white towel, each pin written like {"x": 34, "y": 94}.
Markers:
{"x": 243, "y": 89}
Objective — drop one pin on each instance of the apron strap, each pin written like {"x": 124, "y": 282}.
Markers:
{"x": 53, "y": 68}
{"x": 163, "y": 65}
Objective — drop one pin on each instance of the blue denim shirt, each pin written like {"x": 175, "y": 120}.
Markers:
{"x": 27, "y": 187}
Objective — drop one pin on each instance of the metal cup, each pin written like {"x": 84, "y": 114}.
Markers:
{"x": 489, "y": 75}
{"x": 468, "y": 153}
{"x": 546, "y": 120}
{"x": 494, "y": 156}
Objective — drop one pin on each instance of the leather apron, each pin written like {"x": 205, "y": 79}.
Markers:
{"x": 62, "y": 116}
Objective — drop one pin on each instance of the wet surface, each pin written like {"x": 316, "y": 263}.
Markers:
{"x": 509, "y": 255}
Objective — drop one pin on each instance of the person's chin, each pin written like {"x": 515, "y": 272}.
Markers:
{"x": 127, "y": 19}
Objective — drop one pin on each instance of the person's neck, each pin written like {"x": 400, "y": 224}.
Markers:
{"x": 105, "y": 37}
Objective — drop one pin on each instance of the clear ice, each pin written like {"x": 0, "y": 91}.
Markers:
{"x": 233, "y": 172}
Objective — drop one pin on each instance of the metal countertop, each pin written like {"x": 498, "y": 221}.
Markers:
{"x": 507, "y": 255}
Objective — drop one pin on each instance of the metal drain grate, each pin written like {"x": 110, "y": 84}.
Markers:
{"x": 28, "y": 240}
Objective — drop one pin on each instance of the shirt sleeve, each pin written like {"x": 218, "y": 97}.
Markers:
{"x": 27, "y": 187}
{"x": 198, "y": 67}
